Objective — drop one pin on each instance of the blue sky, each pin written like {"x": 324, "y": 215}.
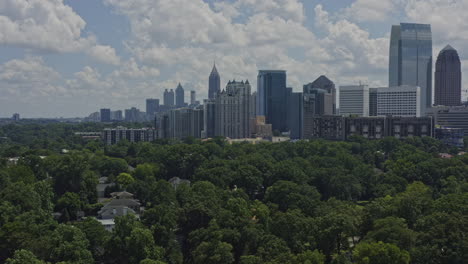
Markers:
{"x": 71, "y": 57}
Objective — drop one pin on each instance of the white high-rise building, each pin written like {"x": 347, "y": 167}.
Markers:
{"x": 401, "y": 101}
{"x": 354, "y": 100}
{"x": 232, "y": 111}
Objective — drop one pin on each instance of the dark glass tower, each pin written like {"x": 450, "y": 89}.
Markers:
{"x": 214, "y": 83}
{"x": 448, "y": 78}
{"x": 152, "y": 107}
{"x": 294, "y": 114}
{"x": 272, "y": 98}
{"x": 169, "y": 98}
{"x": 180, "y": 96}
{"x": 326, "y": 84}
{"x": 105, "y": 115}
{"x": 411, "y": 59}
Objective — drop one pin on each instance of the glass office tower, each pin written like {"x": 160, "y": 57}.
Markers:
{"x": 393, "y": 77}
{"x": 411, "y": 59}
{"x": 272, "y": 98}
{"x": 448, "y": 78}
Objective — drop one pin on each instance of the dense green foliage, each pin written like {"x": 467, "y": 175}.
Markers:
{"x": 385, "y": 201}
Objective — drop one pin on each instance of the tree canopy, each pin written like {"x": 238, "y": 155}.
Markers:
{"x": 361, "y": 201}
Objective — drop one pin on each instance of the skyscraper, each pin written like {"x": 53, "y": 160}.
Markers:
{"x": 182, "y": 123}
{"x": 180, "y": 96}
{"x": 294, "y": 114}
{"x": 214, "y": 83}
{"x": 132, "y": 115}
{"x": 193, "y": 97}
{"x": 117, "y": 115}
{"x": 152, "y": 107}
{"x": 209, "y": 112}
{"x": 168, "y": 98}
{"x": 272, "y": 98}
{"x": 448, "y": 78}
{"x": 16, "y": 117}
{"x": 411, "y": 59}
{"x": 315, "y": 102}
{"x": 354, "y": 100}
{"x": 401, "y": 101}
{"x": 232, "y": 110}
{"x": 326, "y": 84}
{"x": 321, "y": 97}
{"x": 105, "y": 115}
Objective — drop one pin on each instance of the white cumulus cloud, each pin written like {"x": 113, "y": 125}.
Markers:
{"x": 51, "y": 26}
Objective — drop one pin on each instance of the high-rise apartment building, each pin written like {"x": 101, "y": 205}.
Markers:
{"x": 182, "y": 123}
{"x": 152, "y": 107}
{"x": 214, "y": 83}
{"x": 272, "y": 98}
{"x": 411, "y": 59}
{"x": 354, "y": 100}
{"x": 105, "y": 115}
{"x": 232, "y": 110}
{"x": 180, "y": 96}
{"x": 448, "y": 78}
{"x": 132, "y": 115}
{"x": 169, "y": 98}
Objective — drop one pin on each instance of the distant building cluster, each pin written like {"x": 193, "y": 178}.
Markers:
{"x": 404, "y": 108}
{"x": 171, "y": 100}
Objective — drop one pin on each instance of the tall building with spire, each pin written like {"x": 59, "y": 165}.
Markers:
{"x": 411, "y": 59}
{"x": 214, "y": 83}
{"x": 448, "y": 78}
{"x": 180, "y": 96}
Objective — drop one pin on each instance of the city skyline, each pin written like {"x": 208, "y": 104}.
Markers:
{"x": 94, "y": 55}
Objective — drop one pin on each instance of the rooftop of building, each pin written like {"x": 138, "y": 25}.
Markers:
{"x": 271, "y": 71}
{"x": 214, "y": 71}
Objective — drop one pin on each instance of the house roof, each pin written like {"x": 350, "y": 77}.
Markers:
{"x": 113, "y": 211}
{"x": 123, "y": 202}
{"x": 123, "y": 194}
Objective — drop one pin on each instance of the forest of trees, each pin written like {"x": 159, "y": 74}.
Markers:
{"x": 367, "y": 202}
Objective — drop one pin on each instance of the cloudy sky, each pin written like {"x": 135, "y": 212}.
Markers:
{"x": 71, "y": 57}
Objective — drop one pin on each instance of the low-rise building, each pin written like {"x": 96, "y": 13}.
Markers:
{"x": 260, "y": 128}
{"x": 341, "y": 128}
{"x": 453, "y": 137}
{"x": 112, "y": 136}
{"x": 453, "y": 117}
